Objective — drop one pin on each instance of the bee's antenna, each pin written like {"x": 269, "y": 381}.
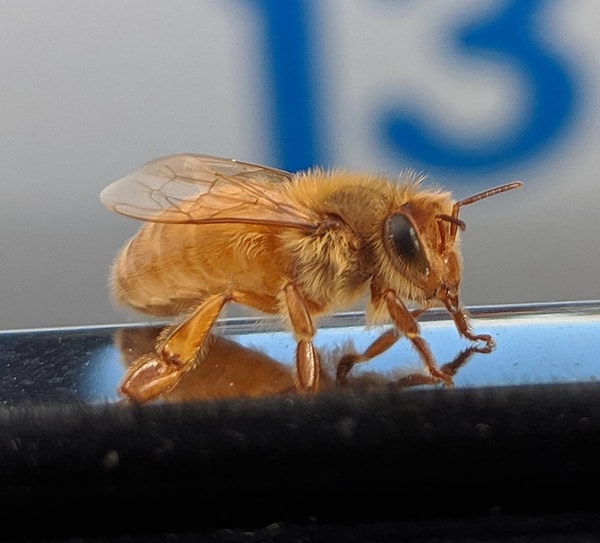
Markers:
{"x": 454, "y": 222}
{"x": 475, "y": 198}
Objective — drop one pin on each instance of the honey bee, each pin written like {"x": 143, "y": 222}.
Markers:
{"x": 299, "y": 245}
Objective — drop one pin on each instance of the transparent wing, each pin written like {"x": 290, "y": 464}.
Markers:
{"x": 188, "y": 188}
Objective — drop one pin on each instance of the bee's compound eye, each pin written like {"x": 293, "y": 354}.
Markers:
{"x": 402, "y": 237}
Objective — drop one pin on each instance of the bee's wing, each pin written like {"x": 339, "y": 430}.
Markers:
{"x": 196, "y": 189}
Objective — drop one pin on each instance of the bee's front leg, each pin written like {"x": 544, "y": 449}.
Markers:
{"x": 308, "y": 367}
{"x": 462, "y": 325}
{"x": 406, "y": 322}
{"x": 450, "y": 368}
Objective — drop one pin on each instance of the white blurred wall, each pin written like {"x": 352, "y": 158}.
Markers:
{"x": 91, "y": 90}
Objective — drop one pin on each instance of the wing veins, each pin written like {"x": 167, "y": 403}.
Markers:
{"x": 209, "y": 190}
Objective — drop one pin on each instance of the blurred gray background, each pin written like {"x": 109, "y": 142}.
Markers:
{"x": 92, "y": 90}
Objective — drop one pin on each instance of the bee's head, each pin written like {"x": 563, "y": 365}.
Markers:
{"x": 421, "y": 239}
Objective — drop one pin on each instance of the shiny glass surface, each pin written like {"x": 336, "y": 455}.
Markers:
{"x": 535, "y": 343}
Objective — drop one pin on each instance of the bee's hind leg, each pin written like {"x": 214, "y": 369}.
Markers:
{"x": 175, "y": 354}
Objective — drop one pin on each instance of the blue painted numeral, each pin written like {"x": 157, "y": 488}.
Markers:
{"x": 510, "y": 36}
{"x": 289, "y": 58}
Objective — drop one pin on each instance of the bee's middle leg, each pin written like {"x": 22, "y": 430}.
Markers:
{"x": 380, "y": 345}
{"x": 348, "y": 360}
{"x": 308, "y": 366}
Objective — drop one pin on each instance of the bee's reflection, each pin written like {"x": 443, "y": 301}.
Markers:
{"x": 230, "y": 369}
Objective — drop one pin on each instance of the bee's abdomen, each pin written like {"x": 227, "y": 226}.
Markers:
{"x": 167, "y": 269}
{"x": 151, "y": 273}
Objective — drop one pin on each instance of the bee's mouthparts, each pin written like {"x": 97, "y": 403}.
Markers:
{"x": 449, "y": 300}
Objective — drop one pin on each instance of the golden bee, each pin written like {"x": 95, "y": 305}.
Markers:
{"x": 299, "y": 245}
